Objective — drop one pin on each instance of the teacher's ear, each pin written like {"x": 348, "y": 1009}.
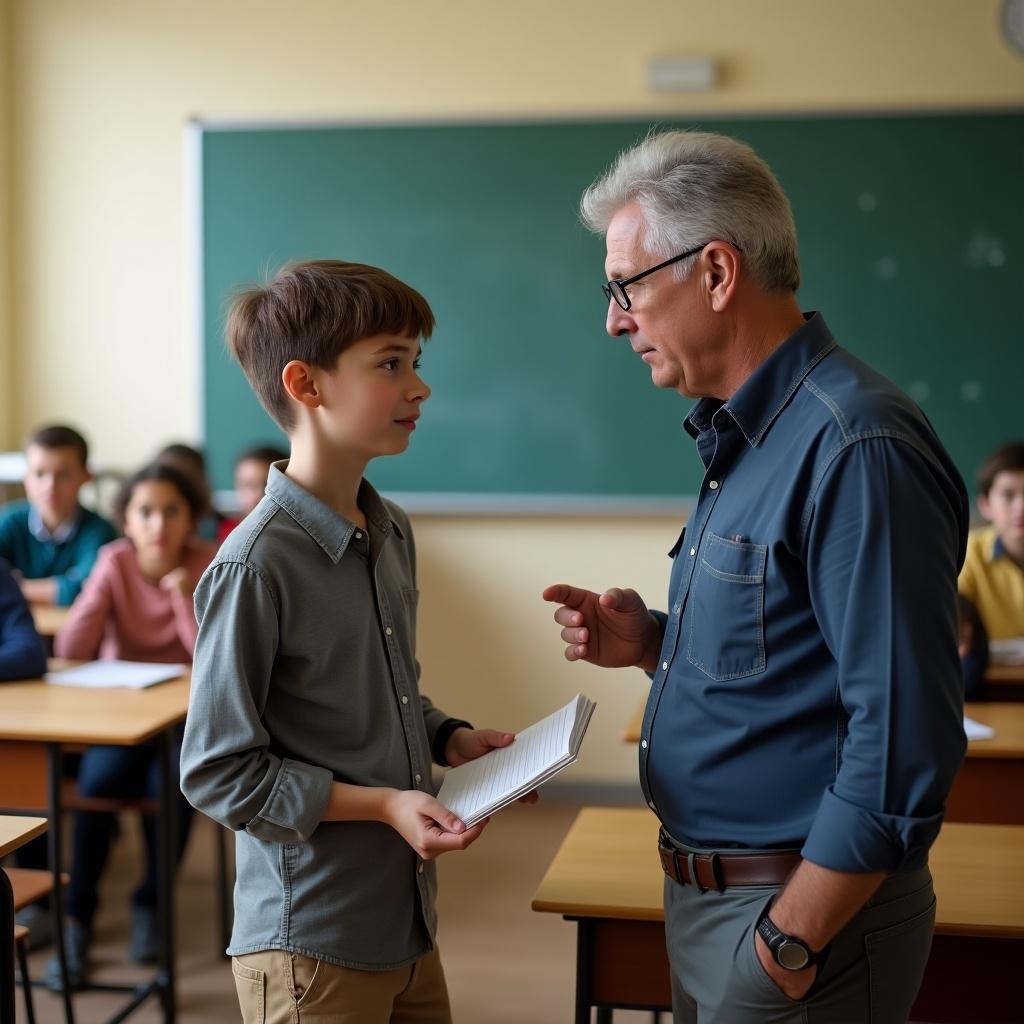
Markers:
{"x": 721, "y": 269}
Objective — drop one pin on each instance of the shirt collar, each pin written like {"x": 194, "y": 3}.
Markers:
{"x": 64, "y": 532}
{"x": 330, "y": 530}
{"x": 764, "y": 394}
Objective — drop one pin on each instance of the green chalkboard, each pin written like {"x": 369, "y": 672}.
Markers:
{"x": 911, "y": 238}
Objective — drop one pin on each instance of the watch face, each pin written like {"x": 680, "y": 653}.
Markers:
{"x": 1013, "y": 23}
{"x": 793, "y": 956}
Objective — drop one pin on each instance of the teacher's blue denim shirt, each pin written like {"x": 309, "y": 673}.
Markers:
{"x": 809, "y": 692}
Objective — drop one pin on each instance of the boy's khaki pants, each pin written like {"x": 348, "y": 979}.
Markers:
{"x": 278, "y": 987}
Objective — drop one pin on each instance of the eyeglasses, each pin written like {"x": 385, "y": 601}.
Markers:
{"x": 617, "y": 289}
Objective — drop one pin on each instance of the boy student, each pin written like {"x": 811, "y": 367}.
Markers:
{"x": 993, "y": 574}
{"x": 50, "y": 540}
{"x": 252, "y": 468}
{"x": 307, "y": 733}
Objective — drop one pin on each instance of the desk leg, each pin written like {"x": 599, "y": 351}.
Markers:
{"x": 584, "y": 969}
{"x": 6, "y": 950}
{"x": 166, "y": 831}
{"x": 55, "y": 853}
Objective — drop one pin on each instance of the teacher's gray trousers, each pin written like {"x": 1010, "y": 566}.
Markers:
{"x": 871, "y": 976}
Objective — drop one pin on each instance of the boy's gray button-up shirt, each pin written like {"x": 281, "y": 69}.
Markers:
{"x": 305, "y": 673}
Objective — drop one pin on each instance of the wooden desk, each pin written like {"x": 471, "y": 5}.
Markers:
{"x": 606, "y": 877}
{"x": 14, "y": 832}
{"x": 1005, "y": 683}
{"x": 48, "y": 619}
{"x": 36, "y": 719}
{"x": 633, "y": 728}
{"x": 989, "y": 788}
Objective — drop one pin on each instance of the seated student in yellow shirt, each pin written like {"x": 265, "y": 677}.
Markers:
{"x": 993, "y": 574}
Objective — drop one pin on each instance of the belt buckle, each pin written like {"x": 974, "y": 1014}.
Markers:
{"x": 716, "y": 871}
{"x": 691, "y": 866}
{"x": 715, "y": 863}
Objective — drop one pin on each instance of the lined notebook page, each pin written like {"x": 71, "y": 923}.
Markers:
{"x": 479, "y": 787}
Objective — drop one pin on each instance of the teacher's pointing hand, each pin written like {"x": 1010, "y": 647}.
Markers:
{"x": 613, "y": 629}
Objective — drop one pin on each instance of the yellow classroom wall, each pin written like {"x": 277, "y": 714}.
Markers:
{"x": 97, "y": 285}
{"x": 6, "y": 381}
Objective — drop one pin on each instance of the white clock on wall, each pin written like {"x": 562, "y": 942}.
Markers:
{"x": 1013, "y": 24}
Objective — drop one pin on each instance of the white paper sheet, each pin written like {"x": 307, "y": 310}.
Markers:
{"x": 480, "y": 787}
{"x": 133, "y": 675}
{"x": 977, "y": 731}
{"x": 1007, "y": 652}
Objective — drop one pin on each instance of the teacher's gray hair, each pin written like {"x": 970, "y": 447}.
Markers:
{"x": 694, "y": 187}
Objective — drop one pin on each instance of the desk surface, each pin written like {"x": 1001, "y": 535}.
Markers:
{"x": 1008, "y": 722}
{"x": 16, "y": 831}
{"x": 1012, "y": 674}
{"x": 44, "y": 712}
{"x": 1006, "y": 719}
{"x": 607, "y": 866}
{"x": 48, "y": 618}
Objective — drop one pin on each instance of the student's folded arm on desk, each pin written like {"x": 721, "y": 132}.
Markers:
{"x": 882, "y": 545}
{"x": 82, "y": 632}
{"x": 184, "y": 618}
{"x": 227, "y": 769}
{"x": 22, "y": 655}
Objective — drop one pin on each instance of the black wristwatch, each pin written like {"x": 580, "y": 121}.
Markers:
{"x": 788, "y": 951}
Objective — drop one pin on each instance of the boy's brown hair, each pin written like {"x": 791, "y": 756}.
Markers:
{"x": 60, "y": 436}
{"x": 313, "y": 311}
{"x": 1008, "y": 458}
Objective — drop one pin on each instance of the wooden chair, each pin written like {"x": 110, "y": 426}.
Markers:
{"x": 29, "y": 886}
{"x": 21, "y": 947}
{"x": 72, "y": 800}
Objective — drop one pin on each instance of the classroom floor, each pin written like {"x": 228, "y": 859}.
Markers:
{"x": 505, "y": 964}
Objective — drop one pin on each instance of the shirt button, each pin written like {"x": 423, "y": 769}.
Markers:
{"x": 359, "y": 536}
{"x": 418, "y": 777}
{"x": 693, "y": 551}
{"x": 664, "y": 664}
{"x": 643, "y": 743}
{"x": 405, "y": 700}
{"x": 713, "y": 485}
{"x": 419, "y": 870}
{"x": 387, "y": 631}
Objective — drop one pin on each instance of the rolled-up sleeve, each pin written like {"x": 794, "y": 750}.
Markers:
{"x": 227, "y": 768}
{"x": 883, "y": 549}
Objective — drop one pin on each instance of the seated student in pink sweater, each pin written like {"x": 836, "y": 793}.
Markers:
{"x": 136, "y": 605}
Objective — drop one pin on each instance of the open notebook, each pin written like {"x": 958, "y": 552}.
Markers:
{"x": 135, "y": 675}
{"x": 481, "y": 787}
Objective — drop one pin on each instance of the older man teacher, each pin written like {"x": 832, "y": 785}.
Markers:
{"x": 804, "y": 722}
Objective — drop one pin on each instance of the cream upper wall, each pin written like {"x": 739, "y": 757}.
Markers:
{"x": 100, "y": 92}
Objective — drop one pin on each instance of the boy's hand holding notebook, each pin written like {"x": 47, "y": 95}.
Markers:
{"x": 480, "y": 787}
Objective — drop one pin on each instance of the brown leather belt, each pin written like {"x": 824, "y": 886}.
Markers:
{"x": 718, "y": 871}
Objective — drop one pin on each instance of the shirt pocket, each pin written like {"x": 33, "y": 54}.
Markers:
{"x": 726, "y": 639}
{"x": 410, "y": 602}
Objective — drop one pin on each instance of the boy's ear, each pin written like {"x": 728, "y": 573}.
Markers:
{"x": 984, "y": 508}
{"x": 299, "y": 384}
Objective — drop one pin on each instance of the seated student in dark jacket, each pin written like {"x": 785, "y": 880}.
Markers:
{"x": 22, "y": 655}
{"x": 973, "y": 648}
